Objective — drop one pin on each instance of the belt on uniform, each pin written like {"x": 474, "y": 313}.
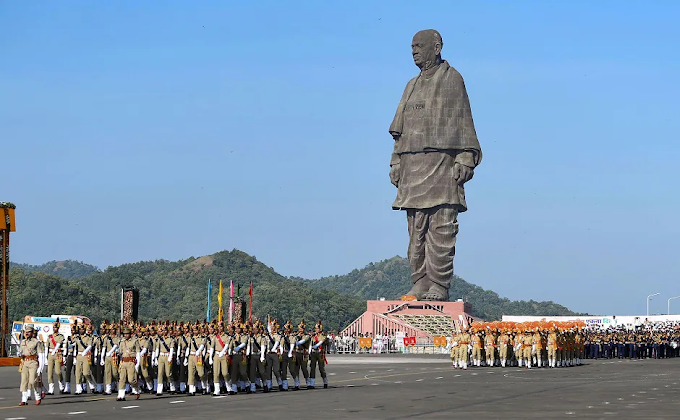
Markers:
{"x": 30, "y": 357}
{"x": 164, "y": 354}
{"x": 129, "y": 359}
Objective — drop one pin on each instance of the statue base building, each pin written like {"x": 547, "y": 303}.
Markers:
{"x": 413, "y": 317}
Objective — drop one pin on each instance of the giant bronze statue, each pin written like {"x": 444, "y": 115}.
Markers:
{"x": 435, "y": 154}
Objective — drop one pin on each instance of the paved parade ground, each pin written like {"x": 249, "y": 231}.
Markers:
{"x": 400, "y": 387}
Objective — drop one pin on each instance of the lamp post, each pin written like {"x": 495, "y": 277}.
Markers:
{"x": 648, "y": 297}
{"x": 669, "y": 303}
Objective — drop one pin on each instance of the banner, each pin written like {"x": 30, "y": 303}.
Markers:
{"x": 220, "y": 314}
{"x": 207, "y": 313}
{"x": 250, "y": 308}
{"x": 231, "y": 300}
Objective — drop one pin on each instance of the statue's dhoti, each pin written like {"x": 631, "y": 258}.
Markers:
{"x": 432, "y": 240}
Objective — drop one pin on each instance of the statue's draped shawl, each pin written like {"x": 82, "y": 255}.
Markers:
{"x": 446, "y": 117}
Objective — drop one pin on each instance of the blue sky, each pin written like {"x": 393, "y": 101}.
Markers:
{"x": 158, "y": 129}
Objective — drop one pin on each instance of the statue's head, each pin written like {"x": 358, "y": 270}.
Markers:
{"x": 427, "y": 48}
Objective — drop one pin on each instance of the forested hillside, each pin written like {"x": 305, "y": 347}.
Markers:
{"x": 392, "y": 278}
{"x": 178, "y": 290}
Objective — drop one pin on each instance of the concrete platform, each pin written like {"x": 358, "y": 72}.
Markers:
{"x": 401, "y": 387}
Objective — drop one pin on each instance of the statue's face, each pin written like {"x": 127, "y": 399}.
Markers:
{"x": 424, "y": 49}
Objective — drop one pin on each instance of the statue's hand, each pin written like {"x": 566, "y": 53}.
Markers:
{"x": 462, "y": 173}
{"x": 394, "y": 175}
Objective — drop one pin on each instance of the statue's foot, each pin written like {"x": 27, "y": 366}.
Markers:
{"x": 419, "y": 289}
{"x": 437, "y": 293}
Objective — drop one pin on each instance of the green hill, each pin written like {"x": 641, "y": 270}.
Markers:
{"x": 178, "y": 290}
{"x": 392, "y": 278}
{"x": 66, "y": 269}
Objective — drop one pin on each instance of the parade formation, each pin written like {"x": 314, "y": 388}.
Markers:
{"x": 557, "y": 344}
{"x": 208, "y": 358}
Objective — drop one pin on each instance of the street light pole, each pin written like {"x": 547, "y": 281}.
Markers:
{"x": 669, "y": 303}
{"x": 648, "y": 297}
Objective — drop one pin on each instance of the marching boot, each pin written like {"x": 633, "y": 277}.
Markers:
{"x": 107, "y": 391}
{"x": 121, "y": 395}
{"x": 192, "y": 390}
{"x": 325, "y": 383}
{"x": 79, "y": 389}
{"x": 252, "y": 388}
{"x": 216, "y": 391}
{"x": 230, "y": 387}
{"x": 285, "y": 384}
{"x": 159, "y": 390}
{"x": 50, "y": 389}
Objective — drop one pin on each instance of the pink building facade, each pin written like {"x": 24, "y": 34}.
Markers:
{"x": 414, "y": 318}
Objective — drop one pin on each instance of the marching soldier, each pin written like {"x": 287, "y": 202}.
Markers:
{"x": 287, "y": 361}
{"x": 504, "y": 347}
{"x": 477, "y": 347}
{"x": 83, "y": 351}
{"x": 219, "y": 354}
{"x": 239, "y": 361}
{"x": 32, "y": 362}
{"x": 195, "y": 356}
{"x": 274, "y": 355}
{"x": 527, "y": 341}
{"x": 69, "y": 355}
{"x": 464, "y": 347}
{"x": 257, "y": 350}
{"x": 301, "y": 343}
{"x": 490, "y": 347}
{"x": 317, "y": 355}
{"x": 109, "y": 357}
{"x": 146, "y": 344}
{"x": 55, "y": 358}
{"x": 131, "y": 354}
{"x": 164, "y": 354}
{"x": 183, "y": 361}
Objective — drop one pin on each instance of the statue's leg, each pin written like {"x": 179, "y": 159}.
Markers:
{"x": 417, "y": 228}
{"x": 440, "y": 248}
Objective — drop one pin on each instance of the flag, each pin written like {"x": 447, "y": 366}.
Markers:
{"x": 220, "y": 314}
{"x": 207, "y": 313}
{"x": 250, "y": 308}
{"x": 231, "y": 300}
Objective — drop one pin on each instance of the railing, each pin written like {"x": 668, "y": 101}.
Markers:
{"x": 385, "y": 345}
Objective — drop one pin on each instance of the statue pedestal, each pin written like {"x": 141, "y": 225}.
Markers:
{"x": 391, "y": 316}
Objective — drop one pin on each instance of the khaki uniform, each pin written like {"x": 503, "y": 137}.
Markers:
{"x": 477, "y": 347}
{"x": 455, "y": 340}
{"x": 127, "y": 372}
{"x": 31, "y": 352}
{"x": 274, "y": 359}
{"x": 109, "y": 352}
{"x": 527, "y": 342}
{"x": 317, "y": 356}
{"x": 83, "y": 350}
{"x": 196, "y": 347}
{"x": 504, "y": 348}
{"x": 55, "y": 359}
{"x": 221, "y": 348}
{"x": 490, "y": 348}
{"x": 146, "y": 343}
{"x": 463, "y": 349}
{"x": 165, "y": 349}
